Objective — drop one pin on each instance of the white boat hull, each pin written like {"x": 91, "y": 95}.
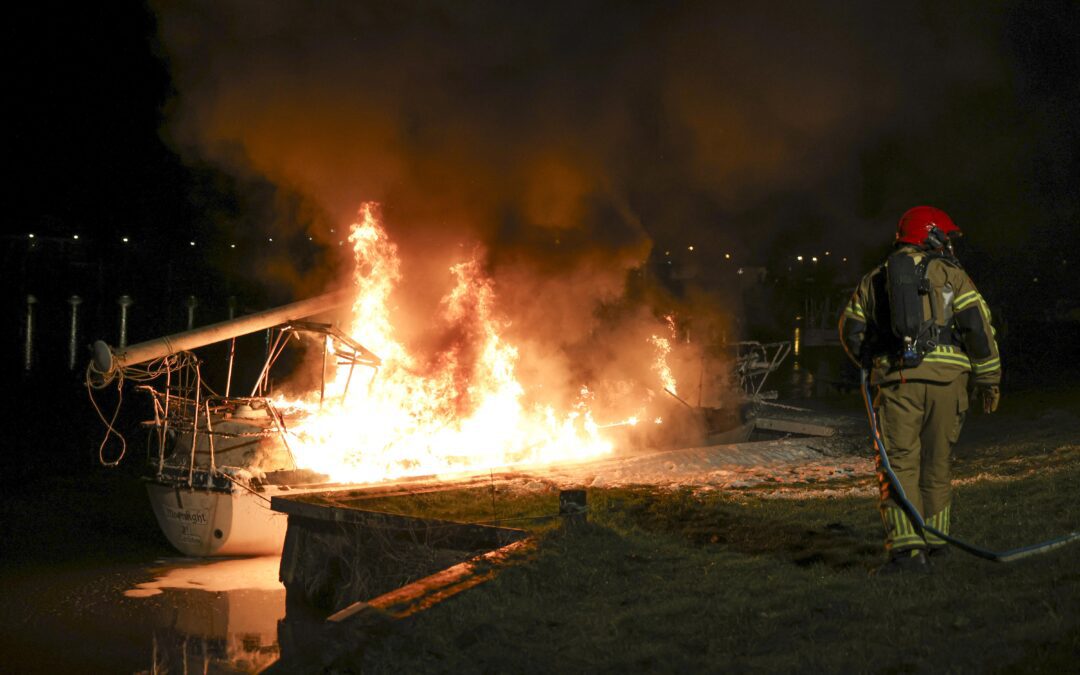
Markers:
{"x": 208, "y": 522}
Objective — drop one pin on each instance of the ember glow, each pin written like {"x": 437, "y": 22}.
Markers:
{"x": 460, "y": 410}
{"x": 663, "y": 349}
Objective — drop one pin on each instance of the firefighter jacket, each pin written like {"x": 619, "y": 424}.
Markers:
{"x": 965, "y": 341}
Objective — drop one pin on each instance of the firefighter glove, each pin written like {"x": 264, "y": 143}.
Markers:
{"x": 989, "y": 396}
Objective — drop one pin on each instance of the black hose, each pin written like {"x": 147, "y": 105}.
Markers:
{"x": 916, "y": 517}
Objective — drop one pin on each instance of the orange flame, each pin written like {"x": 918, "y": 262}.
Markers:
{"x": 463, "y": 411}
{"x": 663, "y": 349}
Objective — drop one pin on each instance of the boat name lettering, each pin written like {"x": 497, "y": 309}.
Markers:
{"x": 195, "y": 517}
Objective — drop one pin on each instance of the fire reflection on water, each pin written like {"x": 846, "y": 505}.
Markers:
{"x": 215, "y": 616}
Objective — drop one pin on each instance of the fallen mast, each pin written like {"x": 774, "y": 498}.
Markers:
{"x": 107, "y": 361}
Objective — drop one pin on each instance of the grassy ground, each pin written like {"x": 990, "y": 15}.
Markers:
{"x": 770, "y": 578}
{"x": 740, "y": 580}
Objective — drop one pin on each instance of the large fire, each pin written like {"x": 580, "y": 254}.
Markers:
{"x": 465, "y": 412}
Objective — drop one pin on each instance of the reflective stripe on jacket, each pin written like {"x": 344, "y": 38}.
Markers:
{"x": 962, "y": 315}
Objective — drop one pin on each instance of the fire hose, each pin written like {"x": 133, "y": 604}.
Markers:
{"x": 916, "y": 517}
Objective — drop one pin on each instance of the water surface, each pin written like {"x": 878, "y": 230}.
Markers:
{"x": 175, "y": 615}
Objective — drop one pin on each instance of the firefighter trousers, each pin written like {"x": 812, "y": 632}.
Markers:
{"x": 919, "y": 424}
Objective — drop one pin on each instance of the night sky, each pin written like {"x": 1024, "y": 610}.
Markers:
{"x": 572, "y": 140}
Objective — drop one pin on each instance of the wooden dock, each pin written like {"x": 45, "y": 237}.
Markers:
{"x": 338, "y": 553}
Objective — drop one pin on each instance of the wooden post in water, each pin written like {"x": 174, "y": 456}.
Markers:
{"x": 125, "y": 301}
{"x": 73, "y": 338}
{"x": 192, "y": 303}
{"x": 28, "y": 353}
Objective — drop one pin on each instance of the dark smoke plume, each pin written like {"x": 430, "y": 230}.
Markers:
{"x": 517, "y": 122}
{"x": 569, "y": 138}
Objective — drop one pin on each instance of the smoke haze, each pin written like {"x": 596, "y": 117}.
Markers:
{"x": 567, "y": 139}
{"x": 504, "y": 121}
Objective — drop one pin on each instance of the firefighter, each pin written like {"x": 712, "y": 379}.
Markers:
{"x": 921, "y": 328}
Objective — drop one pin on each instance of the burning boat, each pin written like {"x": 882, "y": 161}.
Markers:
{"x": 457, "y": 410}
{"x": 218, "y": 459}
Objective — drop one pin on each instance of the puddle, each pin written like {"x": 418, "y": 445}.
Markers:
{"x": 172, "y": 616}
{"x": 220, "y": 616}
{"x": 219, "y": 576}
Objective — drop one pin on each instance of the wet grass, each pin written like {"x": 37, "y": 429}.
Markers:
{"x": 497, "y": 503}
{"x": 672, "y": 581}
{"x": 736, "y": 581}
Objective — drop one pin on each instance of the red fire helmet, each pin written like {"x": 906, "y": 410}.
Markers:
{"x": 915, "y": 226}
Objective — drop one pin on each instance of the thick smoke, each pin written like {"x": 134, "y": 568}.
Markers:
{"x": 509, "y": 121}
{"x": 563, "y": 139}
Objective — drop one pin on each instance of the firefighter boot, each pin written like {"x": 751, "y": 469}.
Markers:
{"x": 939, "y": 554}
{"x": 910, "y": 561}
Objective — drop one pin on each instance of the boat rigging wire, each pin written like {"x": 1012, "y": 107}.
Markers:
{"x": 96, "y": 380}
